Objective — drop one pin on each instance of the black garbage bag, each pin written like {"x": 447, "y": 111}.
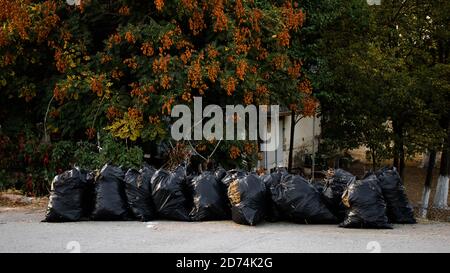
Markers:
{"x": 398, "y": 208}
{"x": 88, "y": 201}
{"x": 298, "y": 201}
{"x": 210, "y": 199}
{"x": 139, "y": 194}
{"x": 333, "y": 190}
{"x": 247, "y": 196}
{"x": 169, "y": 194}
{"x": 319, "y": 186}
{"x": 228, "y": 177}
{"x": 270, "y": 180}
{"x": 367, "y": 208}
{"x": 110, "y": 196}
{"x": 220, "y": 173}
{"x": 68, "y": 196}
{"x": 232, "y": 175}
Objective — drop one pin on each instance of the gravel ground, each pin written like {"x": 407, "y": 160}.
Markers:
{"x": 22, "y": 231}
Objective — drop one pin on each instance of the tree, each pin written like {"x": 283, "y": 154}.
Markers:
{"x": 372, "y": 95}
{"x": 116, "y": 68}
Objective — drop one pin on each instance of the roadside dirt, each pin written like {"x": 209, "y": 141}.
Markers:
{"x": 14, "y": 201}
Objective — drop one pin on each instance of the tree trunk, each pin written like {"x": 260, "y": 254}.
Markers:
{"x": 441, "y": 195}
{"x": 291, "y": 141}
{"x": 402, "y": 161}
{"x": 374, "y": 160}
{"x": 427, "y": 186}
{"x": 399, "y": 149}
{"x": 395, "y": 163}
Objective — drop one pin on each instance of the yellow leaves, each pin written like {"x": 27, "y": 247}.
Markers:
{"x": 129, "y": 126}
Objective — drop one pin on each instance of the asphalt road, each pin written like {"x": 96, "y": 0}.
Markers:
{"x": 22, "y": 231}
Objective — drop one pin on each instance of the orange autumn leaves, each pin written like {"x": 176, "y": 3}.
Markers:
{"x": 248, "y": 148}
{"x": 241, "y": 51}
{"x": 244, "y": 21}
{"x": 27, "y": 20}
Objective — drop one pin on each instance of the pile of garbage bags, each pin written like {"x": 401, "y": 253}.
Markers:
{"x": 113, "y": 193}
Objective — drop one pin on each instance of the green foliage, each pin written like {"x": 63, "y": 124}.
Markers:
{"x": 374, "y": 79}
{"x": 87, "y": 156}
{"x": 120, "y": 154}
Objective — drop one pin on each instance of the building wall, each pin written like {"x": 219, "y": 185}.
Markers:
{"x": 303, "y": 142}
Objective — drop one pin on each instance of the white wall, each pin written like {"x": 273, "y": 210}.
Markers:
{"x": 303, "y": 141}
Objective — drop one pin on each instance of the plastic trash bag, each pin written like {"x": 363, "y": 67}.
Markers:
{"x": 110, "y": 197}
{"x": 139, "y": 194}
{"x": 300, "y": 202}
{"x": 169, "y": 194}
{"x": 220, "y": 173}
{"x": 232, "y": 175}
{"x": 335, "y": 186}
{"x": 398, "y": 208}
{"x": 210, "y": 199}
{"x": 367, "y": 208}
{"x": 269, "y": 180}
{"x": 247, "y": 196}
{"x": 68, "y": 200}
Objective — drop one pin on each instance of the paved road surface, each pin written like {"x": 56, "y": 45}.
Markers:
{"x": 22, "y": 231}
